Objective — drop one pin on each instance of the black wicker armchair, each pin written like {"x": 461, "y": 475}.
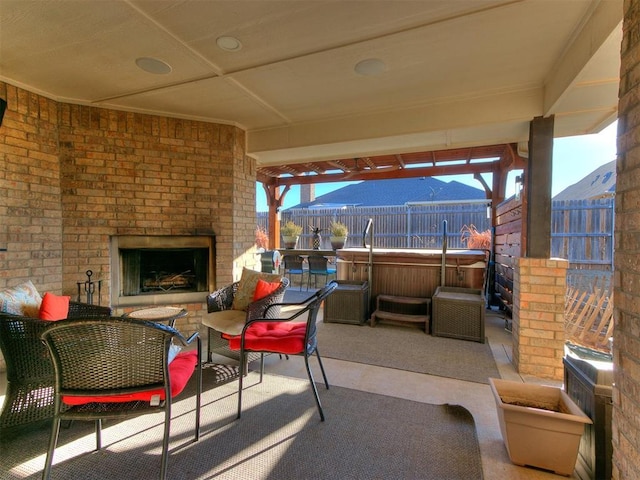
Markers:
{"x": 117, "y": 368}
{"x": 30, "y": 377}
{"x": 223, "y": 319}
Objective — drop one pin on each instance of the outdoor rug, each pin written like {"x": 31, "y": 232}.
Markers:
{"x": 408, "y": 348}
{"x": 279, "y": 437}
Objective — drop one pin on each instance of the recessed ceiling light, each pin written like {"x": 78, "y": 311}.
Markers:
{"x": 230, "y": 44}
{"x": 370, "y": 67}
{"x": 153, "y": 65}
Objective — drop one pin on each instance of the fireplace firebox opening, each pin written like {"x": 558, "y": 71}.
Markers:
{"x": 162, "y": 270}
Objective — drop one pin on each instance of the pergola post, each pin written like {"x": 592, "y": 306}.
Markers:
{"x": 538, "y": 188}
{"x": 274, "y": 200}
{"x": 539, "y": 285}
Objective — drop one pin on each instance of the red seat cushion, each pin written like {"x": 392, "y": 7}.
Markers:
{"x": 277, "y": 337}
{"x": 180, "y": 371}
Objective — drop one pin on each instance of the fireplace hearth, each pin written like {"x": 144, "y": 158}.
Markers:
{"x": 152, "y": 270}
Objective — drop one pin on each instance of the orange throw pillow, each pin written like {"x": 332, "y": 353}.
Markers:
{"x": 54, "y": 307}
{"x": 247, "y": 287}
{"x": 264, "y": 288}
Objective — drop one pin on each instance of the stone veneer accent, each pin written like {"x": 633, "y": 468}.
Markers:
{"x": 626, "y": 336}
{"x": 539, "y": 289}
{"x": 74, "y": 175}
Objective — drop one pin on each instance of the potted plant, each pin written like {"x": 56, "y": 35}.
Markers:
{"x": 262, "y": 239}
{"x": 339, "y": 232}
{"x": 541, "y": 426}
{"x": 290, "y": 232}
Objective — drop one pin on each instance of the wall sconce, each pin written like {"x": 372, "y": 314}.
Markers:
{"x": 519, "y": 185}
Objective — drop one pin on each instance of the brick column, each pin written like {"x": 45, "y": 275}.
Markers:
{"x": 538, "y": 316}
{"x": 626, "y": 347}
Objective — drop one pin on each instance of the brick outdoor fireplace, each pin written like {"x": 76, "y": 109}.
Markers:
{"x": 88, "y": 175}
{"x": 161, "y": 269}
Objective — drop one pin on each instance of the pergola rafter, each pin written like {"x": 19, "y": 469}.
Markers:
{"x": 470, "y": 160}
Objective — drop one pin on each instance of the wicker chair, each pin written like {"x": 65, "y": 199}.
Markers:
{"x": 284, "y": 337}
{"x": 221, "y": 301}
{"x": 30, "y": 377}
{"x": 117, "y": 368}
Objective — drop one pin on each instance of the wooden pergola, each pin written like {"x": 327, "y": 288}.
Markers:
{"x": 498, "y": 160}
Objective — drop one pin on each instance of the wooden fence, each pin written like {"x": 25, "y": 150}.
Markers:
{"x": 589, "y": 314}
{"x": 581, "y": 230}
{"x": 508, "y": 246}
{"x": 405, "y": 226}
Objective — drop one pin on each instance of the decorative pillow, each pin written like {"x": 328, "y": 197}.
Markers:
{"x": 22, "y": 299}
{"x": 264, "y": 288}
{"x": 247, "y": 287}
{"x": 54, "y": 307}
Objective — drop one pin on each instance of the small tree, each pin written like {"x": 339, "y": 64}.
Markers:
{"x": 475, "y": 239}
{"x": 262, "y": 238}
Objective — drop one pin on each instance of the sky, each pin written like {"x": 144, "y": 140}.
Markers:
{"x": 573, "y": 159}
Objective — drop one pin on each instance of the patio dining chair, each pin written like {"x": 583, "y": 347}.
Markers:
{"x": 117, "y": 368}
{"x": 293, "y": 265}
{"x": 284, "y": 336}
{"x": 319, "y": 266}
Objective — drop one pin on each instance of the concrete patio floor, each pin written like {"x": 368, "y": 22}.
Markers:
{"x": 475, "y": 397}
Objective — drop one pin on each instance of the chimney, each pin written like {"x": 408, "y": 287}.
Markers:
{"x": 307, "y": 193}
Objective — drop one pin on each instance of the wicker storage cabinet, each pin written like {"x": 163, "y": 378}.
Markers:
{"x": 458, "y": 313}
{"x": 348, "y": 303}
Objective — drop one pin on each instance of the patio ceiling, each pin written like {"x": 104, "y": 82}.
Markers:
{"x": 319, "y": 84}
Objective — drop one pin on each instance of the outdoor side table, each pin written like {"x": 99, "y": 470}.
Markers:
{"x": 167, "y": 315}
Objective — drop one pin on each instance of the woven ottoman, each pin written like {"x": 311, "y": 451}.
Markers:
{"x": 458, "y": 313}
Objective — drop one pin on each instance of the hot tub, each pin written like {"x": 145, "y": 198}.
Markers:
{"x": 412, "y": 272}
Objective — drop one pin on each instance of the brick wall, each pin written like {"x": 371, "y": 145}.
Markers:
{"x": 30, "y": 207}
{"x": 626, "y": 344}
{"x": 73, "y": 175}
